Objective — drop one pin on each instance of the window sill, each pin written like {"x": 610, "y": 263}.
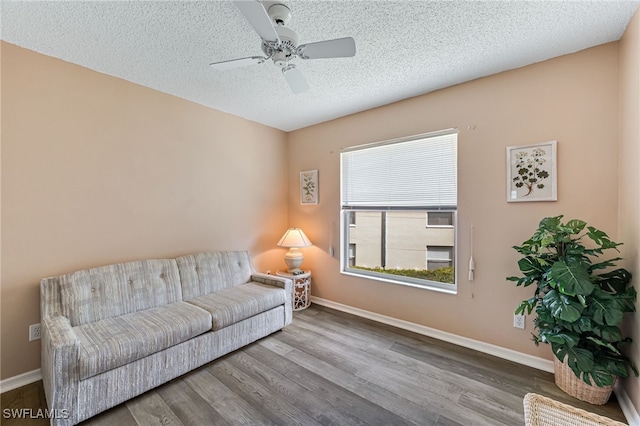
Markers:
{"x": 453, "y": 290}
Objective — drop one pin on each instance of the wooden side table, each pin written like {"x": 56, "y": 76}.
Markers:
{"x": 301, "y": 288}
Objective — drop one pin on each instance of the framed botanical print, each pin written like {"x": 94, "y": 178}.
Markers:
{"x": 309, "y": 187}
{"x": 532, "y": 172}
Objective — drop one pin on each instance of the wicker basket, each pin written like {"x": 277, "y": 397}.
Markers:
{"x": 542, "y": 411}
{"x": 577, "y": 388}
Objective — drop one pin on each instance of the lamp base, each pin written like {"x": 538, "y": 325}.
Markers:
{"x": 293, "y": 259}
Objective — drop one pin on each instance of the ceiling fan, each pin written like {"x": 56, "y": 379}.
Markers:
{"x": 280, "y": 43}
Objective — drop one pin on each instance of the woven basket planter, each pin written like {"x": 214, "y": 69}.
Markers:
{"x": 543, "y": 411}
{"x": 577, "y": 388}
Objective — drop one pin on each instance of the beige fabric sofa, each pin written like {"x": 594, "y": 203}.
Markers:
{"x": 114, "y": 332}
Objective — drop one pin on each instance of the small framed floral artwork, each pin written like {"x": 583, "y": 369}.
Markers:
{"x": 532, "y": 172}
{"x": 309, "y": 187}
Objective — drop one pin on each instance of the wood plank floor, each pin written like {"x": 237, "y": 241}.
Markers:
{"x": 332, "y": 368}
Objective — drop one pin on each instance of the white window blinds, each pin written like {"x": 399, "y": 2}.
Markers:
{"x": 417, "y": 172}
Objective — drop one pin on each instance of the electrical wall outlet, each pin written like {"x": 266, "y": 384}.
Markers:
{"x": 34, "y": 332}
{"x": 518, "y": 321}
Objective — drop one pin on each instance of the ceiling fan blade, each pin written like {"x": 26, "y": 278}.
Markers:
{"x": 295, "y": 78}
{"x": 237, "y": 63}
{"x": 338, "y": 48}
{"x": 259, "y": 19}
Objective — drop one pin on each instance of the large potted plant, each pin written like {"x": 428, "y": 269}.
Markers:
{"x": 580, "y": 301}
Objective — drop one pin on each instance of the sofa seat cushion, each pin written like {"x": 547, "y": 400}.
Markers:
{"x": 113, "y": 342}
{"x": 230, "y": 305}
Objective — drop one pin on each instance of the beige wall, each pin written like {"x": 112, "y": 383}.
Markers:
{"x": 98, "y": 170}
{"x": 629, "y": 189}
{"x": 572, "y": 99}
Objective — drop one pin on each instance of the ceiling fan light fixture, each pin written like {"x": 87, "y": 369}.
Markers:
{"x": 281, "y": 59}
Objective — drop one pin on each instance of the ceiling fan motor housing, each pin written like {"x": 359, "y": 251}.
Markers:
{"x": 281, "y": 52}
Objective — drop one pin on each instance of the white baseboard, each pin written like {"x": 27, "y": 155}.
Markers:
{"x": 628, "y": 409}
{"x": 500, "y": 352}
{"x": 20, "y": 380}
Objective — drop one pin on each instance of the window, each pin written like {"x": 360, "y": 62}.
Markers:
{"x": 352, "y": 220}
{"x": 388, "y": 189}
{"x": 440, "y": 219}
{"x": 352, "y": 255}
{"x": 439, "y": 257}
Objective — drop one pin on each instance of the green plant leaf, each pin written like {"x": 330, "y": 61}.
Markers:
{"x": 568, "y": 339}
{"x": 613, "y": 281}
{"x": 527, "y": 305}
{"x": 547, "y": 240}
{"x": 550, "y": 223}
{"x": 525, "y": 281}
{"x": 607, "y": 345}
{"x": 601, "y": 238}
{"x": 626, "y": 300}
{"x": 525, "y": 249}
{"x": 544, "y": 314}
{"x": 578, "y": 359}
{"x": 582, "y": 300}
{"x": 600, "y": 377}
{"x": 607, "y": 333}
{"x": 582, "y": 325}
{"x": 518, "y": 280}
{"x": 575, "y": 226}
{"x": 605, "y": 309}
{"x": 617, "y": 365}
{"x": 528, "y": 266}
{"x": 562, "y": 306}
{"x": 571, "y": 277}
{"x": 604, "y": 264}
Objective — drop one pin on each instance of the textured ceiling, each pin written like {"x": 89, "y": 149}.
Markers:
{"x": 404, "y": 48}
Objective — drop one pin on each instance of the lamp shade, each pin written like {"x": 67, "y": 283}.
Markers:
{"x": 294, "y": 237}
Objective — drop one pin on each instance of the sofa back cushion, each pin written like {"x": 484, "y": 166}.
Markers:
{"x": 205, "y": 273}
{"x": 110, "y": 291}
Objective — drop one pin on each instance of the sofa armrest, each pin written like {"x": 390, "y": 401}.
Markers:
{"x": 271, "y": 280}
{"x": 282, "y": 282}
{"x": 60, "y": 358}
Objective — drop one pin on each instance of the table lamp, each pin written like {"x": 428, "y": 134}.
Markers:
{"x": 294, "y": 238}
